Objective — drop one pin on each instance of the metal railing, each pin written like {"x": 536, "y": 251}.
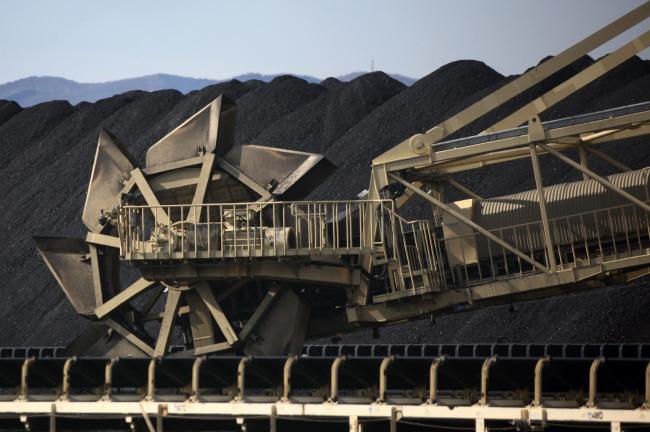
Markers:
{"x": 417, "y": 261}
{"x": 579, "y": 240}
{"x": 247, "y": 230}
{"x": 417, "y": 265}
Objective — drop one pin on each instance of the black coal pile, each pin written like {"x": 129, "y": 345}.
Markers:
{"x": 44, "y": 191}
{"x": 23, "y": 129}
{"x": 331, "y": 82}
{"x": 46, "y": 153}
{"x": 268, "y": 103}
{"x": 7, "y": 110}
{"x": 317, "y": 125}
{"x": 414, "y": 110}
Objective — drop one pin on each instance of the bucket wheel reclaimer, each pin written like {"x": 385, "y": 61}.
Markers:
{"x": 194, "y": 165}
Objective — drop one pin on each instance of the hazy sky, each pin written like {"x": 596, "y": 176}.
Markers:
{"x": 106, "y": 40}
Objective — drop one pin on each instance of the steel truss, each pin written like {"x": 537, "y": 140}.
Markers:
{"x": 424, "y": 164}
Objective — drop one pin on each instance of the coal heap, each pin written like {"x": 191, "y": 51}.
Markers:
{"x": 46, "y": 153}
{"x": 269, "y": 103}
{"x": 8, "y": 109}
{"x": 316, "y": 126}
{"x": 415, "y": 109}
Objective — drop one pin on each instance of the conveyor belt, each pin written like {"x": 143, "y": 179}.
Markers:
{"x": 355, "y": 380}
{"x": 555, "y": 350}
{"x": 548, "y": 125}
{"x": 480, "y": 350}
{"x": 489, "y": 390}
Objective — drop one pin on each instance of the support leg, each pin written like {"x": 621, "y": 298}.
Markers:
{"x": 273, "y": 419}
{"x": 354, "y": 424}
{"x": 168, "y": 321}
{"x": 53, "y": 418}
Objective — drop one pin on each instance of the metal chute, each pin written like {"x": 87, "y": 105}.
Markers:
{"x": 288, "y": 174}
{"x": 69, "y": 261}
{"x": 211, "y": 130}
{"x": 111, "y": 169}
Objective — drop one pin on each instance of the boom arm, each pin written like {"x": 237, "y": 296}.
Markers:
{"x": 414, "y": 151}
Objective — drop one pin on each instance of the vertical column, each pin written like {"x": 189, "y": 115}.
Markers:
{"x": 53, "y": 418}
{"x": 393, "y": 419}
{"x": 159, "y": 418}
{"x": 273, "y": 420}
{"x": 537, "y": 172}
{"x": 354, "y": 424}
{"x": 583, "y": 159}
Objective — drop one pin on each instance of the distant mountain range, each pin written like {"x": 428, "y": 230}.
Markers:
{"x": 36, "y": 89}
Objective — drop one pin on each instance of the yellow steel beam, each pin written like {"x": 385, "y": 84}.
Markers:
{"x": 123, "y": 296}
{"x": 572, "y": 85}
{"x": 168, "y": 321}
{"x": 149, "y": 196}
{"x": 194, "y": 215}
{"x": 469, "y": 222}
{"x": 220, "y": 318}
{"x": 416, "y": 146}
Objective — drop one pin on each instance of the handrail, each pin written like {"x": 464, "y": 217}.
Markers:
{"x": 256, "y": 203}
{"x": 413, "y": 254}
{"x": 250, "y": 229}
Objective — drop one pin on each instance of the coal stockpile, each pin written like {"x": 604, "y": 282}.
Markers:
{"x": 317, "y": 125}
{"x": 44, "y": 189}
{"x": 413, "y": 110}
{"x": 25, "y": 128}
{"x": 7, "y": 110}
{"x": 46, "y": 153}
{"x": 268, "y": 103}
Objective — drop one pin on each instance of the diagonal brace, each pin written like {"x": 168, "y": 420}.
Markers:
{"x": 126, "y": 334}
{"x": 574, "y": 84}
{"x": 259, "y": 313}
{"x": 205, "y": 176}
{"x": 124, "y": 296}
{"x": 168, "y": 321}
{"x": 462, "y": 188}
{"x": 603, "y": 181}
{"x": 607, "y": 158}
{"x": 149, "y": 196}
{"x": 470, "y": 223}
{"x": 207, "y": 296}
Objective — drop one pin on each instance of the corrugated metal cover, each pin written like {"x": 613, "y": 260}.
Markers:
{"x": 562, "y": 200}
